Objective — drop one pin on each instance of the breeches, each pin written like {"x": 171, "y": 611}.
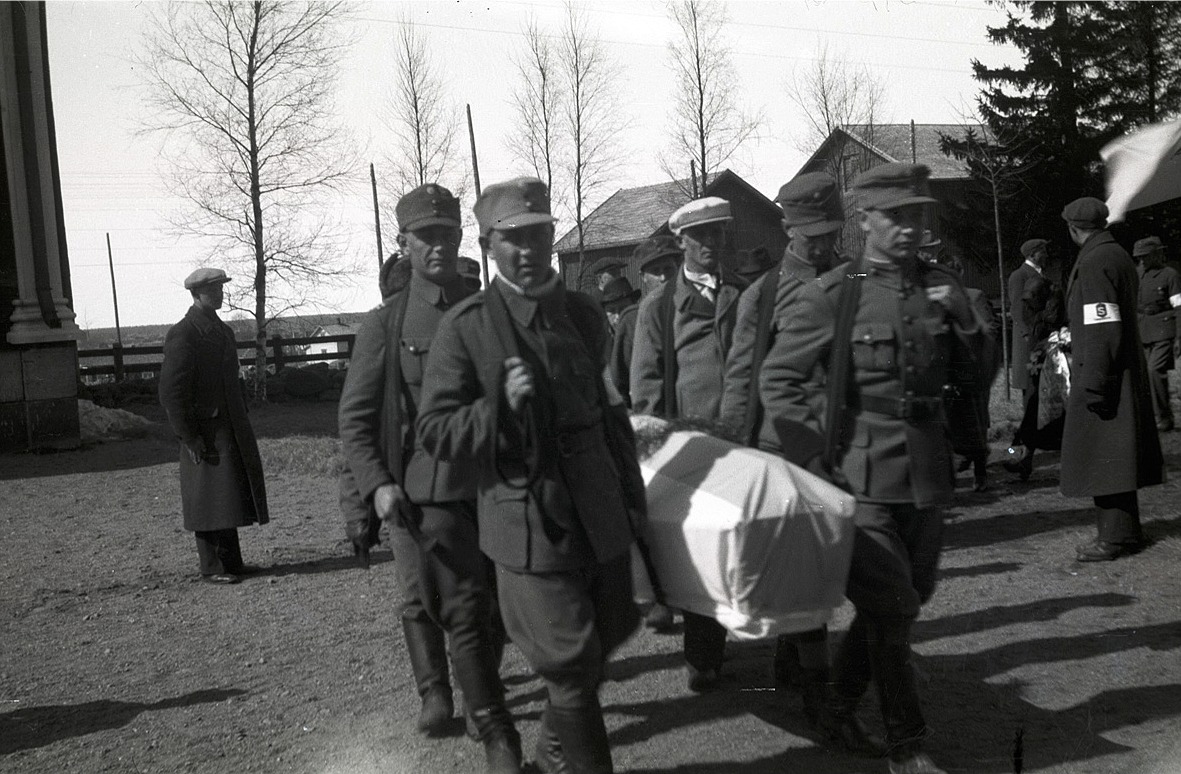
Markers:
{"x": 1159, "y": 356}
{"x": 566, "y": 624}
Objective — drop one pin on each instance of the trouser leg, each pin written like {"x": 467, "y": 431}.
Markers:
{"x": 704, "y": 642}
{"x": 1119, "y": 518}
{"x": 219, "y": 551}
{"x": 1159, "y": 359}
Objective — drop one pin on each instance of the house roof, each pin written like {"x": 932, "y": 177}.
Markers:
{"x": 893, "y": 143}
{"x": 631, "y": 215}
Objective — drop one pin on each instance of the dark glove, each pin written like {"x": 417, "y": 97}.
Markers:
{"x": 1102, "y": 407}
{"x": 197, "y": 450}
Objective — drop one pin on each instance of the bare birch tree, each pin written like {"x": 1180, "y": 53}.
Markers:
{"x": 708, "y": 126}
{"x": 242, "y": 93}
{"x": 833, "y": 92}
{"x": 536, "y": 102}
{"x": 590, "y": 121}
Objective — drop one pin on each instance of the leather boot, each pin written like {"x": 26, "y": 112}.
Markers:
{"x": 502, "y": 743}
{"x": 814, "y": 688}
{"x": 837, "y": 720}
{"x": 786, "y": 665}
{"x": 582, "y": 736}
{"x": 427, "y": 647}
{"x": 548, "y": 752}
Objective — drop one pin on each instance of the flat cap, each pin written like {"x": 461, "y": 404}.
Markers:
{"x": 428, "y": 205}
{"x": 711, "y": 209}
{"x": 811, "y": 204}
{"x": 1087, "y": 212}
{"x": 619, "y": 290}
{"x": 607, "y": 263}
{"x": 648, "y": 251}
{"x": 516, "y": 203}
{"x": 1147, "y": 246}
{"x": 1030, "y": 246}
{"x": 205, "y": 277}
{"x": 893, "y": 185}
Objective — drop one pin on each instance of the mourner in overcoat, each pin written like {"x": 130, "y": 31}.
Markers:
{"x": 1160, "y": 295}
{"x": 517, "y": 379}
{"x": 911, "y": 331}
{"x": 445, "y": 582}
{"x": 620, "y": 302}
{"x": 1022, "y": 308}
{"x": 683, "y": 335}
{"x": 659, "y": 259}
{"x": 1110, "y": 448}
{"x": 221, "y": 477}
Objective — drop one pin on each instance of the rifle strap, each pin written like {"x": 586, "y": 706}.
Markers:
{"x": 766, "y": 313}
{"x": 840, "y": 362}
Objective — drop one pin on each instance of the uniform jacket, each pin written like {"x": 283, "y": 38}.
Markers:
{"x": 743, "y": 364}
{"x": 1160, "y": 292}
{"x": 702, "y": 334}
{"x": 1122, "y": 454}
{"x": 201, "y": 395}
{"x": 1024, "y": 305}
{"x": 381, "y": 396}
{"x": 903, "y": 344}
{"x": 577, "y": 511}
{"x": 622, "y": 345}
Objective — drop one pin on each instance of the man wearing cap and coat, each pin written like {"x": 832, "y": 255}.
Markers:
{"x": 1110, "y": 448}
{"x": 683, "y": 335}
{"x": 1160, "y": 295}
{"x": 221, "y": 480}
{"x": 911, "y": 331}
{"x": 444, "y": 581}
{"x": 517, "y": 380}
{"x": 620, "y": 303}
{"x": 658, "y": 258}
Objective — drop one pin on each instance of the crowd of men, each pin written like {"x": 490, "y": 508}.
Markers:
{"x": 490, "y": 431}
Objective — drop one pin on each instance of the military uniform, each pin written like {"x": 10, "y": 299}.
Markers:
{"x": 444, "y": 579}
{"x": 1110, "y": 447}
{"x": 557, "y": 484}
{"x": 221, "y": 477}
{"x": 895, "y": 455}
{"x": 1160, "y": 294}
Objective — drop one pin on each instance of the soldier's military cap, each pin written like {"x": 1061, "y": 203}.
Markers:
{"x": 811, "y": 204}
{"x": 428, "y": 205}
{"x": 618, "y": 290}
{"x": 606, "y": 263}
{"x": 205, "y": 277}
{"x": 893, "y": 185}
{"x": 1030, "y": 246}
{"x": 516, "y": 203}
{"x": 1087, "y": 212}
{"x": 648, "y": 251}
{"x": 711, "y": 209}
{"x": 1147, "y": 246}
{"x": 469, "y": 267}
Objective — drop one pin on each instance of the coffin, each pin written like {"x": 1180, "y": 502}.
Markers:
{"x": 741, "y": 535}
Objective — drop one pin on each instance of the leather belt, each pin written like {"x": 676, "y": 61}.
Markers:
{"x": 905, "y": 407}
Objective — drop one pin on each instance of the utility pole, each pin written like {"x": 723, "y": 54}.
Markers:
{"x": 114, "y": 292}
{"x": 376, "y": 218}
{"x": 471, "y": 133}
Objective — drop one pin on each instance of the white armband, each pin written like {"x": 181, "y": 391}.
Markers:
{"x": 1102, "y": 312}
{"x": 1175, "y": 301}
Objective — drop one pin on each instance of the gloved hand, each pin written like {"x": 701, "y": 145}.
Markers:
{"x": 197, "y": 450}
{"x": 1102, "y": 406}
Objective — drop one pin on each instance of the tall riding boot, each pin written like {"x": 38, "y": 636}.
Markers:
{"x": 851, "y": 674}
{"x": 583, "y": 738}
{"x": 427, "y": 647}
{"x": 502, "y": 743}
{"x": 548, "y": 752}
{"x": 786, "y": 665}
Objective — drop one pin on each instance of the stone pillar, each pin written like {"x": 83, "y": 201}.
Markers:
{"x": 38, "y": 354}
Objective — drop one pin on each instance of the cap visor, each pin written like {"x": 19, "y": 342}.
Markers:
{"x": 523, "y": 220}
{"x": 904, "y": 201}
{"x": 694, "y": 224}
{"x": 821, "y": 227}
{"x": 651, "y": 261}
{"x": 428, "y": 222}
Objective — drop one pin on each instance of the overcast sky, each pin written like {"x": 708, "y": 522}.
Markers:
{"x": 112, "y": 180}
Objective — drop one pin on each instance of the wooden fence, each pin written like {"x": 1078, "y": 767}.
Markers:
{"x": 119, "y": 361}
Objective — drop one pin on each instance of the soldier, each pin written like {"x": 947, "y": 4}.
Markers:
{"x": 908, "y": 330}
{"x": 517, "y": 380}
{"x": 812, "y": 218}
{"x": 1028, "y": 296}
{"x": 620, "y": 303}
{"x": 1110, "y": 447}
{"x": 430, "y": 504}
{"x": 753, "y": 264}
{"x": 221, "y": 481}
{"x": 683, "y": 335}
{"x": 658, "y": 259}
{"x": 1160, "y": 294}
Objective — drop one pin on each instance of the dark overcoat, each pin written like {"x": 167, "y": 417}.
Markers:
{"x": 1120, "y": 454}
{"x": 702, "y": 334}
{"x": 622, "y": 345}
{"x": 201, "y": 394}
{"x": 578, "y": 511}
{"x": 1023, "y": 307}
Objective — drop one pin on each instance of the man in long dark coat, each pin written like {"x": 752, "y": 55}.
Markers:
{"x": 1110, "y": 447}
{"x": 444, "y": 582}
{"x": 221, "y": 481}
{"x": 1028, "y": 296}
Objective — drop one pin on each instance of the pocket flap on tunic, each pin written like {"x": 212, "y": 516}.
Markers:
{"x": 871, "y": 332}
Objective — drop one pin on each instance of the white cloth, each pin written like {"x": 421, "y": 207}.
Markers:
{"x": 744, "y": 536}
{"x": 707, "y": 284}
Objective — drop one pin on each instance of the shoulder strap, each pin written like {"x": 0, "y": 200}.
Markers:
{"x": 393, "y": 344}
{"x": 840, "y": 362}
{"x": 667, "y": 318}
{"x": 766, "y": 312}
